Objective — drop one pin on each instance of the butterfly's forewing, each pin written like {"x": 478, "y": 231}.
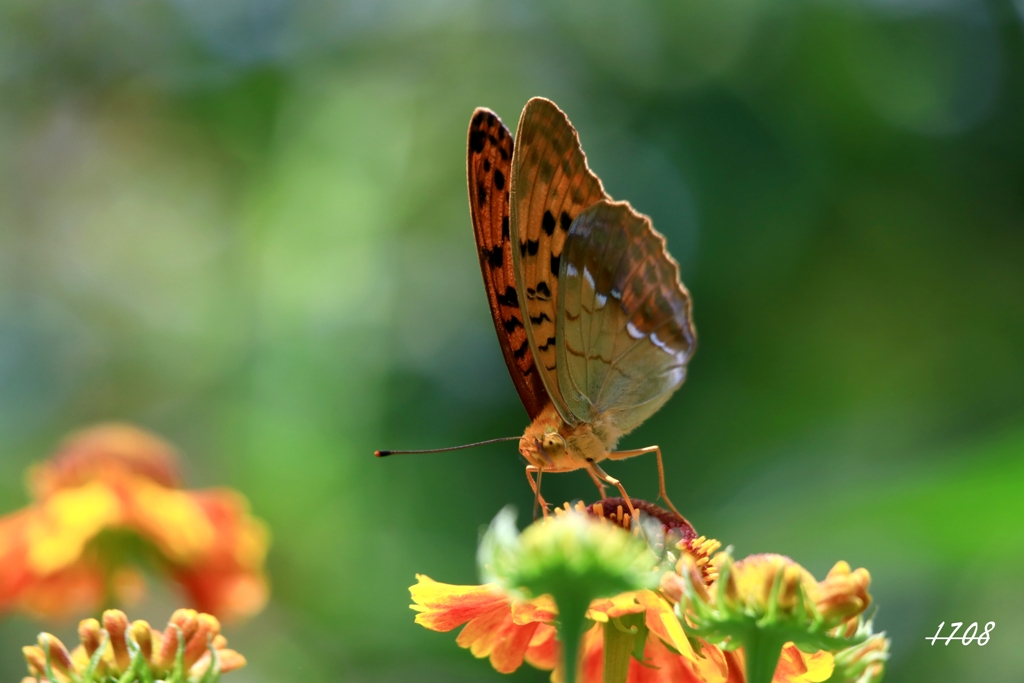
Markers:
{"x": 625, "y": 331}
{"x": 488, "y": 169}
{"x": 551, "y": 185}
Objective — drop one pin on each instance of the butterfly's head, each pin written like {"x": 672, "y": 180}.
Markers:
{"x": 544, "y": 447}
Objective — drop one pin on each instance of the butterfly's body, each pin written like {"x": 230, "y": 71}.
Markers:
{"x": 593, "y": 322}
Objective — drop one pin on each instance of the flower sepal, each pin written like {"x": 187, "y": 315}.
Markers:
{"x": 862, "y": 663}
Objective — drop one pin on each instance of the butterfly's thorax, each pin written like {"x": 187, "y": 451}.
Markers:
{"x": 549, "y": 443}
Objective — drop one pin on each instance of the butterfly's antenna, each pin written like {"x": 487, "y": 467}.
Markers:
{"x": 381, "y": 454}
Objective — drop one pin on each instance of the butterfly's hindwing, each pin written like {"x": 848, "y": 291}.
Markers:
{"x": 489, "y": 171}
{"x": 551, "y": 185}
{"x": 625, "y": 327}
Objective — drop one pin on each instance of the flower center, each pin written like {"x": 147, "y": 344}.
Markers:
{"x": 616, "y": 511}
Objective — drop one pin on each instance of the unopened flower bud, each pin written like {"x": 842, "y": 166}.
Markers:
{"x": 230, "y": 660}
{"x": 754, "y": 579}
{"x": 132, "y": 651}
{"x": 60, "y": 658}
{"x": 116, "y": 623}
{"x": 843, "y": 593}
{"x": 764, "y": 601}
{"x": 208, "y": 627}
{"x": 91, "y": 635}
{"x": 143, "y": 636}
{"x": 187, "y": 621}
{"x": 36, "y": 659}
{"x": 182, "y": 624}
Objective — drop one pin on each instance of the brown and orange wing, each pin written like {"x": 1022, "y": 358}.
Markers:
{"x": 489, "y": 171}
{"x": 551, "y": 185}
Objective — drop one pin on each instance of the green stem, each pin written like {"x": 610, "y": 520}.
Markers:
{"x": 571, "y": 617}
{"x": 619, "y": 645}
{"x": 761, "y": 651}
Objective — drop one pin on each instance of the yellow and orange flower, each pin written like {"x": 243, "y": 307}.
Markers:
{"x": 78, "y": 545}
{"x": 509, "y": 628}
{"x": 191, "y": 648}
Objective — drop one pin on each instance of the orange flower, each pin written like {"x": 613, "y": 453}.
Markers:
{"x": 510, "y": 630}
{"x": 78, "y": 544}
{"x": 118, "y": 650}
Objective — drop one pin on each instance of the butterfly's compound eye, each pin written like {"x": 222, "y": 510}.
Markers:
{"x": 553, "y": 443}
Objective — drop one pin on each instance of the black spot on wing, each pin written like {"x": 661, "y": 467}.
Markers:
{"x": 499, "y": 179}
{"x": 565, "y": 221}
{"x": 539, "y": 319}
{"x": 487, "y": 165}
{"x": 529, "y": 247}
{"x": 548, "y": 223}
{"x": 476, "y": 140}
{"x": 521, "y": 351}
{"x": 509, "y": 298}
{"x": 504, "y": 154}
{"x": 543, "y": 291}
{"x": 555, "y": 262}
{"x": 490, "y": 119}
{"x": 494, "y": 256}
{"x": 478, "y": 119}
{"x": 504, "y": 227}
{"x": 550, "y": 342}
{"x": 481, "y": 193}
{"x": 512, "y": 323}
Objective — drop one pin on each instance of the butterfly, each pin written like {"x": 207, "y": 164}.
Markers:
{"x": 594, "y": 323}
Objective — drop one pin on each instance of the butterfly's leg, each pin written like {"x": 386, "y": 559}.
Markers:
{"x": 595, "y": 470}
{"x": 598, "y": 483}
{"x": 622, "y": 455}
{"x": 535, "y": 485}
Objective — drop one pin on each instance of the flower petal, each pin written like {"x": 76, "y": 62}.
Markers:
{"x": 494, "y": 634}
{"x": 543, "y": 651}
{"x": 661, "y": 665}
{"x": 619, "y": 605}
{"x": 67, "y": 521}
{"x": 443, "y": 606}
{"x": 796, "y": 666}
{"x": 541, "y": 609}
{"x": 663, "y": 622}
{"x": 510, "y": 646}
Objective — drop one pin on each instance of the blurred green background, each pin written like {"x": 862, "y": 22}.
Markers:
{"x": 243, "y": 224}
